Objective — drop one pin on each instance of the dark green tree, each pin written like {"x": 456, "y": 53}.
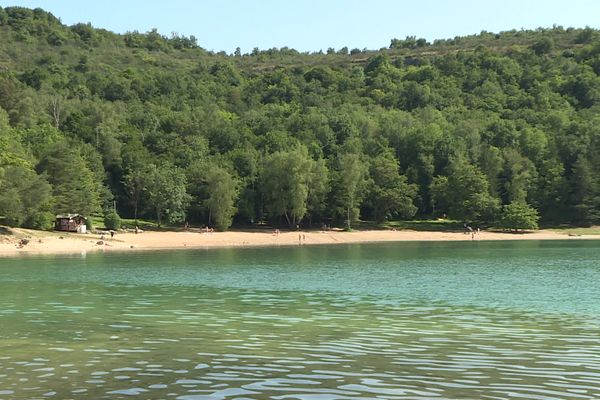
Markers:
{"x": 390, "y": 195}
{"x": 75, "y": 187}
{"x": 25, "y": 198}
{"x": 318, "y": 189}
{"x": 467, "y": 194}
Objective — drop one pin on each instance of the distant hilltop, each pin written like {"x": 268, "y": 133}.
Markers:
{"x": 37, "y": 24}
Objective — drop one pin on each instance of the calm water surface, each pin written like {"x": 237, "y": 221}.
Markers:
{"x": 381, "y": 321}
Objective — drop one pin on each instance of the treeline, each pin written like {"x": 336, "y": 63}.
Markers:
{"x": 494, "y": 128}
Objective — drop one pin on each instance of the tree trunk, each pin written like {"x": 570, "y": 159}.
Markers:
{"x": 56, "y": 111}
{"x": 288, "y": 219}
{"x": 349, "y": 219}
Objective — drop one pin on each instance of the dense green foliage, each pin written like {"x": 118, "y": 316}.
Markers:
{"x": 519, "y": 215}
{"x": 112, "y": 220}
{"x": 460, "y": 127}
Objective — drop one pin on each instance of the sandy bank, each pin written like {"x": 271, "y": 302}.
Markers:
{"x": 54, "y": 243}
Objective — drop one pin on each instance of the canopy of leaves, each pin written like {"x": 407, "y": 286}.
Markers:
{"x": 519, "y": 215}
{"x": 171, "y": 131}
{"x": 222, "y": 191}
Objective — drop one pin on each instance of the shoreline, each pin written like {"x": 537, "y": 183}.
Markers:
{"x": 51, "y": 243}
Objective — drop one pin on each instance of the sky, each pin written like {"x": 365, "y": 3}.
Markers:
{"x": 313, "y": 25}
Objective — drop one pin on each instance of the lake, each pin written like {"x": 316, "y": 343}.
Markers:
{"x": 480, "y": 320}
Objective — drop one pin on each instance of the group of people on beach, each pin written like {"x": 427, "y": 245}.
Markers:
{"x": 471, "y": 231}
{"x": 204, "y": 229}
{"x": 111, "y": 232}
{"x": 301, "y": 236}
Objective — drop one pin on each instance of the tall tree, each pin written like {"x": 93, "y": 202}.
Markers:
{"x": 349, "y": 186}
{"x": 585, "y": 195}
{"x": 165, "y": 189}
{"x": 134, "y": 181}
{"x": 222, "y": 190}
{"x": 467, "y": 194}
{"x": 75, "y": 187}
{"x": 318, "y": 188}
{"x": 285, "y": 179}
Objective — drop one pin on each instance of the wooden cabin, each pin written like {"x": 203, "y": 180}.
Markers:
{"x": 70, "y": 223}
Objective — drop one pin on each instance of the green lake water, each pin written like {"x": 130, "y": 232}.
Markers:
{"x": 471, "y": 320}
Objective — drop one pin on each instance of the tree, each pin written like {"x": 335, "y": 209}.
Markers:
{"x": 318, "y": 188}
{"x": 112, "y": 220}
{"x": 552, "y": 190}
{"x": 390, "y": 194}
{"x": 136, "y": 158}
{"x": 222, "y": 189}
{"x": 438, "y": 190}
{"x": 134, "y": 182}
{"x": 285, "y": 178}
{"x": 75, "y": 187}
{"x": 349, "y": 186}
{"x": 246, "y": 165}
{"x": 11, "y": 149}
{"x": 519, "y": 215}
{"x": 519, "y": 172}
{"x": 55, "y": 109}
{"x": 166, "y": 192}
{"x": 543, "y": 46}
{"x": 468, "y": 194}
{"x": 586, "y": 195}
{"x": 25, "y": 198}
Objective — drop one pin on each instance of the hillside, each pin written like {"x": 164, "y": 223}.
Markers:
{"x": 490, "y": 128}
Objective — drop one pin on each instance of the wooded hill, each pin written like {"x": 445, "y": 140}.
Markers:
{"x": 493, "y": 128}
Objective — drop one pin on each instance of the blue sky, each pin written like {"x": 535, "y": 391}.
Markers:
{"x": 311, "y": 25}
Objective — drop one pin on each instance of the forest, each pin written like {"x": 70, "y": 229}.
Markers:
{"x": 498, "y": 129}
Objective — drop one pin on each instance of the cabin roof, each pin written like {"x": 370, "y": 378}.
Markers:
{"x": 69, "y": 216}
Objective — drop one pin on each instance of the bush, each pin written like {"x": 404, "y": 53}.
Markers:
{"x": 543, "y": 46}
{"x": 519, "y": 215}
{"x": 112, "y": 220}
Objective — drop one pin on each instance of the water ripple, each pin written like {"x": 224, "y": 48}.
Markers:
{"x": 105, "y": 341}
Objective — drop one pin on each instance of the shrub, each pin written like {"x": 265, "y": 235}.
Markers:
{"x": 519, "y": 215}
{"x": 112, "y": 220}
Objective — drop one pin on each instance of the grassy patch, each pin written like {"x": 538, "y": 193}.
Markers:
{"x": 592, "y": 230}
{"x": 129, "y": 223}
{"x": 433, "y": 225}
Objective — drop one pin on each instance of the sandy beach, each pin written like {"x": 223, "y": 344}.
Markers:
{"x": 40, "y": 242}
